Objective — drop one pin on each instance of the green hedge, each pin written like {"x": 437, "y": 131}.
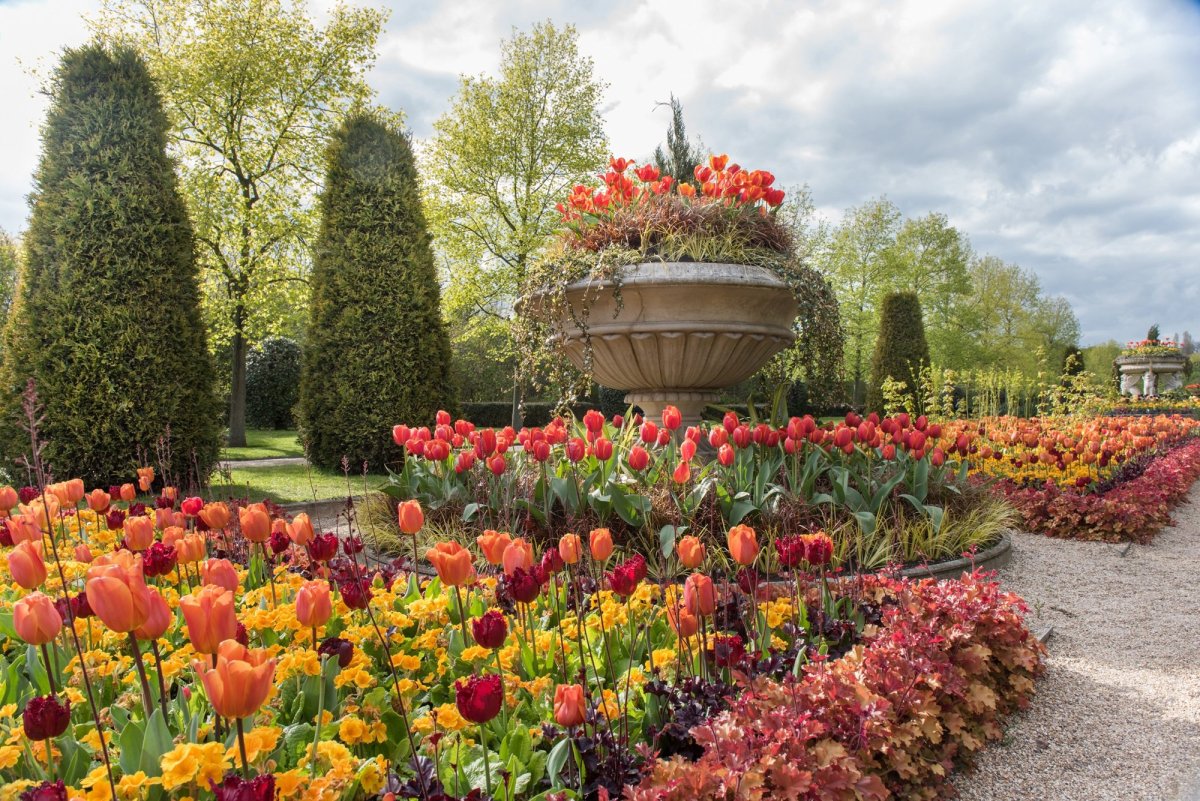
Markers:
{"x": 273, "y": 384}
{"x": 106, "y": 322}
{"x": 377, "y": 352}
{"x": 901, "y": 350}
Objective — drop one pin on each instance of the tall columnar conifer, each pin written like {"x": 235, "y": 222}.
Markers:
{"x": 377, "y": 350}
{"x": 901, "y": 350}
{"x": 106, "y": 320}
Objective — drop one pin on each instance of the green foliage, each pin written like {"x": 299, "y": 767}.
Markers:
{"x": 680, "y": 157}
{"x": 9, "y": 268}
{"x": 106, "y": 322}
{"x": 273, "y": 383}
{"x": 901, "y": 350}
{"x": 378, "y": 351}
{"x": 508, "y": 149}
{"x": 253, "y": 89}
{"x": 1152, "y": 333}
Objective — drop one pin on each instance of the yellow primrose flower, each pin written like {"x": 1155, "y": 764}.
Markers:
{"x": 195, "y": 762}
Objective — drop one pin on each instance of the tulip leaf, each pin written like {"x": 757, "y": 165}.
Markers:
{"x": 666, "y": 539}
{"x": 6, "y": 627}
{"x": 739, "y": 510}
{"x": 156, "y": 742}
{"x": 559, "y": 755}
{"x": 130, "y": 741}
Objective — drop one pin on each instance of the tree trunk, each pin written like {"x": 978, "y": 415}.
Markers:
{"x": 237, "y": 388}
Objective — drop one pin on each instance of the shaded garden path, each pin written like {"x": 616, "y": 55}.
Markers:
{"x": 1117, "y": 715}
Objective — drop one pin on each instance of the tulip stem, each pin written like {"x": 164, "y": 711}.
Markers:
{"x": 487, "y": 763}
{"x": 312, "y": 762}
{"x": 500, "y": 673}
{"x": 241, "y": 732}
{"x": 162, "y": 684}
{"x": 314, "y": 632}
{"x": 49, "y": 669}
{"x": 269, "y": 566}
{"x": 147, "y": 703}
{"x": 50, "y": 759}
{"x": 462, "y": 614}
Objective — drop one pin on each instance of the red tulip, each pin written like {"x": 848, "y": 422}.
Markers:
{"x": 671, "y": 418}
{"x": 603, "y": 448}
{"x": 490, "y": 630}
{"x": 725, "y": 455}
{"x": 479, "y": 698}
{"x": 639, "y": 458}
{"x": 683, "y": 472}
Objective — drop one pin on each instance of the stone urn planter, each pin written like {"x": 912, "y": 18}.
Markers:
{"x": 680, "y": 332}
{"x": 1149, "y": 375}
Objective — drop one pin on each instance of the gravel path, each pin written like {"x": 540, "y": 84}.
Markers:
{"x": 279, "y": 461}
{"x": 1117, "y": 714}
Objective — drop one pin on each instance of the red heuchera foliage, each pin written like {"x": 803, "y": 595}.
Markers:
{"x": 1132, "y": 511}
{"x": 889, "y": 720}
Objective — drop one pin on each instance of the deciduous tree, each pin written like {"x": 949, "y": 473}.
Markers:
{"x": 509, "y": 148}
{"x": 253, "y": 89}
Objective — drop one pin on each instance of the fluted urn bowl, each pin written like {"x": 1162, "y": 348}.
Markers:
{"x": 682, "y": 331}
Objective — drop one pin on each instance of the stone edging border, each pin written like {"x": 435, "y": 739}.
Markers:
{"x": 993, "y": 558}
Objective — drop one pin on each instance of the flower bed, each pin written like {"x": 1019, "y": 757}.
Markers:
{"x": 887, "y": 490}
{"x": 1077, "y": 453}
{"x": 1124, "y": 509}
{"x": 192, "y": 650}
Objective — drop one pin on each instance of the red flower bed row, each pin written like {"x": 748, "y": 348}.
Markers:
{"x": 1133, "y": 510}
{"x": 888, "y": 720}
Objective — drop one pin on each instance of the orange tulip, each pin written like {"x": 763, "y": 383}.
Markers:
{"x": 410, "y": 516}
{"x": 74, "y": 491}
{"x": 313, "y": 604}
{"x": 453, "y": 563}
{"x": 210, "y": 617}
{"x": 300, "y": 530}
{"x": 699, "y": 595}
{"x": 691, "y": 551}
{"x": 24, "y": 528}
{"x": 743, "y": 545}
{"x": 683, "y": 622}
{"x": 241, "y": 680}
{"x": 493, "y": 543}
{"x": 26, "y": 565}
{"x": 519, "y": 553}
{"x": 139, "y": 533}
{"x": 164, "y": 518}
{"x": 256, "y": 522}
{"x": 158, "y": 620}
{"x": 8, "y": 498}
{"x": 117, "y": 592}
{"x": 215, "y": 516}
{"x": 220, "y": 572}
{"x": 36, "y": 619}
{"x": 570, "y": 547}
{"x": 128, "y": 492}
{"x": 83, "y": 553}
{"x": 145, "y": 478}
{"x": 59, "y": 491}
{"x": 171, "y": 535}
{"x": 601, "y": 543}
{"x": 570, "y": 704}
{"x": 98, "y": 500}
{"x": 190, "y": 548}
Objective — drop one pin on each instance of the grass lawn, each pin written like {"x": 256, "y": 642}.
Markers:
{"x": 265, "y": 445}
{"x": 288, "y": 484}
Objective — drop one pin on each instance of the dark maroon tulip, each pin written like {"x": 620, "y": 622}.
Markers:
{"x": 45, "y": 717}
{"x": 356, "y": 593}
{"x": 728, "y": 651}
{"x": 159, "y": 559}
{"x": 336, "y": 646}
{"x": 479, "y": 698}
{"x": 234, "y": 788}
{"x": 523, "y": 585}
{"x": 115, "y": 519}
{"x": 323, "y": 547}
{"x": 490, "y": 630}
{"x": 46, "y": 791}
{"x": 279, "y": 542}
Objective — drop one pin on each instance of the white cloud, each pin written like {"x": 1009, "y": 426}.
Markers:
{"x": 1061, "y": 136}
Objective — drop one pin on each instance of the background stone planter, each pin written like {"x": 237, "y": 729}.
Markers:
{"x": 1136, "y": 372}
{"x": 682, "y": 331}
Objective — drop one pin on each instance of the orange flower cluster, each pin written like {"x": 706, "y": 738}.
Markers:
{"x": 718, "y": 181}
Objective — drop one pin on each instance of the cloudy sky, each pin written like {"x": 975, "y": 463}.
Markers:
{"x": 1063, "y": 135}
